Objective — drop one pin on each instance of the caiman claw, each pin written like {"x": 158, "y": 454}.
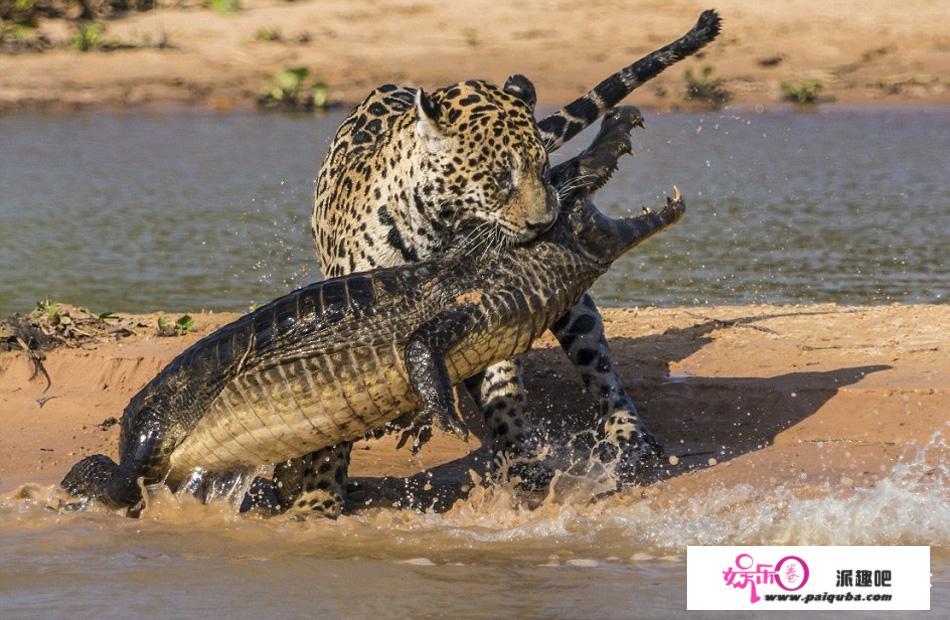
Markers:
{"x": 449, "y": 420}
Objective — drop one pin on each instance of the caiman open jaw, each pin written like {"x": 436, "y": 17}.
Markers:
{"x": 594, "y": 166}
{"x": 604, "y": 239}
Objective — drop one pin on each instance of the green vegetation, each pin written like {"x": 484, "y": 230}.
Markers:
{"x": 11, "y": 32}
{"x": 28, "y": 12}
{"x": 321, "y": 95}
{"x": 55, "y": 312}
{"x": 17, "y": 23}
{"x": 47, "y": 309}
{"x": 803, "y": 93}
{"x": 267, "y": 34}
{"x": 224, "y": 6}
{"x": 90, "y": 36}
{"x": 52, "y": 324}
{"x": 706, "y": 89}
{"x": 184, "y": 324}
{"x": 20, "y": 13}
{"x": 287, "y": 84}
{"x": 87, "y": 36}
{"x": 287, "y": 91}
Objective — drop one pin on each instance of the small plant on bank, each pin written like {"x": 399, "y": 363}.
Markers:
{"x": 184, "y": 324}
{"x": 87, "y": 36}
{"x": 267, "y": 34}
{"x": 321, "y": 95}
{"x": 706, "y": 89}
{"x": 19, "y": 13}
{"x": 287, "y": 92}
{"x": 803, "y": 93}
{"x": 224, "y": 6}
{"x": 287, "y": 84}
{"x": 48, "y": 309}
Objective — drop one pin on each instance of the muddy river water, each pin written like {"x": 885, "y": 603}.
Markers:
{"x": 141, "y": 212}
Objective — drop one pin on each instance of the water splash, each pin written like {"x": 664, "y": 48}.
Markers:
{"x": 574, "y": 522}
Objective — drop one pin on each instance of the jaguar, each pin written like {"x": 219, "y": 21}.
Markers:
{"x": 408, "y": 169}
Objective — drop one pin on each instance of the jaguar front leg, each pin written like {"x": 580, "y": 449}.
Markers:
{"x": 500, "y": 395}
{"x": 581, "y": 334}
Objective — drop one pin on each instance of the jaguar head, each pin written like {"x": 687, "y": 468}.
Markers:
{"x": 485, "y": 162}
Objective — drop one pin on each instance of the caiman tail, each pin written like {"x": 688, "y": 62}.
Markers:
{"x": 98, "y": 477}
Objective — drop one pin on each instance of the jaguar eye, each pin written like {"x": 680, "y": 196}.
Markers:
{"x": 503, "y": 180}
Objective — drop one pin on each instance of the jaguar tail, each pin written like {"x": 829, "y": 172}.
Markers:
{"x": 581, "y": 113}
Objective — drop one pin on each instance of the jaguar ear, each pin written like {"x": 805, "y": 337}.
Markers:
{"x": 522, "y": 88}
{"x": 428, "y": 113}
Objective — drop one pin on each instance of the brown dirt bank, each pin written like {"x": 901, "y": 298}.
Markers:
{"x": 802, "y": 396}
{"x": 864, "y": 51}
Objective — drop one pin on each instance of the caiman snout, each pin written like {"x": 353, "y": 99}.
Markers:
{"x": 606, "y": 238}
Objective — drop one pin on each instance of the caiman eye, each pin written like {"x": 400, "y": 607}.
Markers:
{"x": 503, "y": 180}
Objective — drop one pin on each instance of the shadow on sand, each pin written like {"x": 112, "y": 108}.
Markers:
{"x": 695, "y": 418}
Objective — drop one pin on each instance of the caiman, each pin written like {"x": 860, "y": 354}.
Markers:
{"x": 337, "y": 359}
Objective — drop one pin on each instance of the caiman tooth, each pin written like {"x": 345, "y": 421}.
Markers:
{"x": 626, "y": 148}
{"x": 604, "y": 178}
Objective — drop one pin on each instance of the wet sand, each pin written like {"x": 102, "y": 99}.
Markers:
{"x": 865, "y": 52}
{"x": 806, "y": 397}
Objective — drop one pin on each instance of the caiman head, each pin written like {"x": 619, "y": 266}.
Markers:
{"x": 603, "y": 238}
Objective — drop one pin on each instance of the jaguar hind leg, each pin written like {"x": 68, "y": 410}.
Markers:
{"x": 314, "y": 484}
{"x": 581, "y": 334}
{"x": 500, "y": 395}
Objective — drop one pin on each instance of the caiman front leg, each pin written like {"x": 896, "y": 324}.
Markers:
{"x": 428, "y": 374}
{"x": 498, "y": 391}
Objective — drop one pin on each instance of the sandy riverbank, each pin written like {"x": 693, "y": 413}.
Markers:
{"x": 806, "y": 397}
{"x": 867, "y": 52}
